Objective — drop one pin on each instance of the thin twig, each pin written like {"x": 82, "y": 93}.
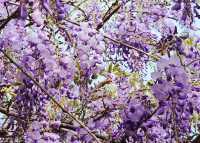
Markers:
{"x": 193, "y": 61}
{"x": 131, "y": 47}
{"x": 154, "y": 13}
{"x": 77, "y": 7}
{"x": 10, "y": 113}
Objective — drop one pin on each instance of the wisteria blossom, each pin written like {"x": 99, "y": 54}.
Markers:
{"x": 99, "y": 71}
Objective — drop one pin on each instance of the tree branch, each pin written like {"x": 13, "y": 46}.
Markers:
{"x": 131, "y": 47}
{"x": 4, "y": 22}
{"x": 113, "y": 9}
{"x": 123, "y": 43}
{"x": 10, "y": 113}
{"x": 196, "y": 140}
{"x": 50, "y": 96}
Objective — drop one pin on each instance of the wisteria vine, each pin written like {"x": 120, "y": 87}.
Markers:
{"x": 104, "y": 71}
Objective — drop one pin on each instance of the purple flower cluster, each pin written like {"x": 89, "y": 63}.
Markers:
{"x": 71, "y": 71}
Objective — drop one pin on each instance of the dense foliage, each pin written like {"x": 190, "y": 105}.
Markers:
{"x": 105, "y": 71}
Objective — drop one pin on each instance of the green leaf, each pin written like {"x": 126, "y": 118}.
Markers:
{"x": 115, "y": 69}
{"x": 134, "y": 78}
{"x": 189, "y": 42}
